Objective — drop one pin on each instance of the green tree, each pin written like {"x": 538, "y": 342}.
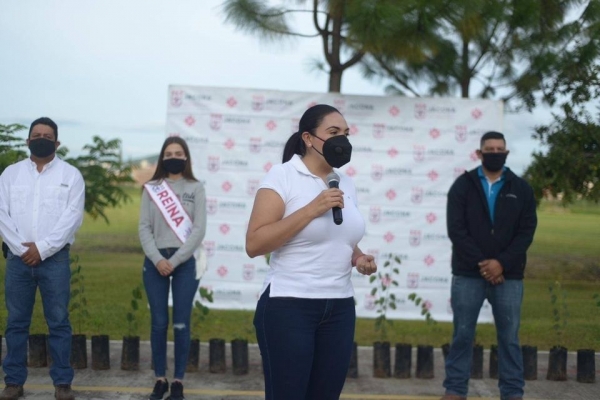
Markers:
{"x": 330, "y": 21}
{"x": 506, "y": 49}
{"x": 570, "y": 166}
{"x": 101, "y": 166}
{"x": 11, "y": 146}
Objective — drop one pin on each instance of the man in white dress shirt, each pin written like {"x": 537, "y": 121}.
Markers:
{"x": 41, "y": 208}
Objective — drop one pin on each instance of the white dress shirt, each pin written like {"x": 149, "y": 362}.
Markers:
{"x": 42, "y": 207}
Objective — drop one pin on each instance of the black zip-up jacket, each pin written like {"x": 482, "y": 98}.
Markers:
{"x": 475, "y": 238}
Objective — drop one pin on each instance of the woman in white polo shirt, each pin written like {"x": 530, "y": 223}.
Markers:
{"x": 305, "y": 316}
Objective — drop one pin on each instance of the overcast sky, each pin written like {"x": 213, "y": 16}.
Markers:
{"x": 103, "y": 68}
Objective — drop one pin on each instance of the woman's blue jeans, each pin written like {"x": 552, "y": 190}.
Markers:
{"x": 184, "y": 284}
{"x": 468, "y": 295}
{"x": 305, "y": 344}
{"x": 53, "y": 277}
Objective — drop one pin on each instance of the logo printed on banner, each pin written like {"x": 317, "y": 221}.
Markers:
{"x": 314, "y": 103}
{"x": 476, "y": 113}
{"x": 376, "y": 172}
{"x": 255, "y": 144}
{"x": 214, "y": 163}
{"x": 434, "y": 133}
{"x": 375, "y": 214}
{"x": 431, "y": 218}
{"x": 394, "y": 111}
{"x": 229, "y": 144}
{"x": 224, "y": 228}
{"x": 252, "y": 186}
{"x": 209, "y": 246}
{"x": 412, "y": 280}
{"x": 248, "y": 272}
{"x": 231, "y": 102}
{"x": 420, "y": 110}
{"x": 222, "y": 271}
{"x": 392, "y": 152}
{"x": 369, "y": 302}
{"x": 391, "y": 194}
{"x": 418, "y": 153}
{"x": 429, "y": 260}
{"x": 416, "y": 195}
{"x": 216, "y": 121}
{"x": 193, "y": 140}
{"x": 350, "y": 171}
{"x": 353, "y": 129}
{"x": 258, "y": 103}
{"x": 473, "y": 156}
{"x": 433, "y": 175}
{"x": 414, "y": 239}
{"x": 212, "y": 205}
{"x": 226, "y": 186}
{"x": 340, "y": 104}
{"x": 389, "y": 237}
{"x": 176, "y": 98}
{"x": 271, "y": 125}
{"x": 267, "y": 167}
{"x": 458, "y": 171}
{"x": 428, "y": 305}
{"x": 460, "y": 133}
{"x": 378, "y": 130}
{"x": 189, "y": 121}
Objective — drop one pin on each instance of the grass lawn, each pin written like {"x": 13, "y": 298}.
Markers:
{"x": 566, "y": 248}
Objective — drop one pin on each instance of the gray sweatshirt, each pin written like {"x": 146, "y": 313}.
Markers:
{"x": 156, "y": 234}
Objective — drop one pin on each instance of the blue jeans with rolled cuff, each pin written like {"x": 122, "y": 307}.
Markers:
{"x": 305, "y": 344}
{"x": 184, "y": 284}
{"x": 468, "y": 295}
{"x": 53, "y": 277}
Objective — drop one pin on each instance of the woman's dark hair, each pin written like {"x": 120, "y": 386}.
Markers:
{"x": 310, "y": 121}
{"x": 161, "y": 173}
{"x": 45, "y": 121}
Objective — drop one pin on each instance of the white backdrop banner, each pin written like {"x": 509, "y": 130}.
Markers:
{"x": 406, "y": 154}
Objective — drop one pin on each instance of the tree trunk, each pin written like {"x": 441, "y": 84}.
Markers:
{"x": 335, "y": 81}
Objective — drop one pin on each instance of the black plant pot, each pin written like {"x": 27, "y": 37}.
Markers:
{"x": 424, "y": 362}
{"x": 445, "y": 350}
{"x": 239, "y": 356}
{"x": 78, "y": 352}
{"x": 586, "y": 366}
{"x": 557, "y": 364}
{"x": 193, "y": 361}
{"x": 37, "y": 351}
{"x": 530, "y": 363}
{"x": 382, "y": 366}
{"x": 477, "y": 362}
{"x": 494, "y": 361}
{"x": 130, "y": 354}
{"x": 216, "y": 356}
{"x": 100, "y": 352}
{"x": 403, "y": 361}
{"x": 353, "y": 368}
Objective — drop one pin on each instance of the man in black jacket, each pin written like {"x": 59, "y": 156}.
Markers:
{"x": 491, "y": 218}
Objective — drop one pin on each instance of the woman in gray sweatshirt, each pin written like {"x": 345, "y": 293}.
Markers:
{"x": 172, "y": 227}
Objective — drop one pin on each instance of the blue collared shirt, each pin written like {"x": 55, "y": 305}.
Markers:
{"x": 491, "y": 189}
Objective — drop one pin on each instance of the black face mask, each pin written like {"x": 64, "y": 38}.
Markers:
{"x": 41, "y": 147}
{"x": 174, "y": 165}
{"x": 337, "y": 150}
{"x": 493, "y": 162}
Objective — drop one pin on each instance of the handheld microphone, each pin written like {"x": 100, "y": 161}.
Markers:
{"x": 333, "y": 180}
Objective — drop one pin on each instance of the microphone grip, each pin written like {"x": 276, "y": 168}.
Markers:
{"x": 337, "y": 212}
{"x": 337, "y": 215}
